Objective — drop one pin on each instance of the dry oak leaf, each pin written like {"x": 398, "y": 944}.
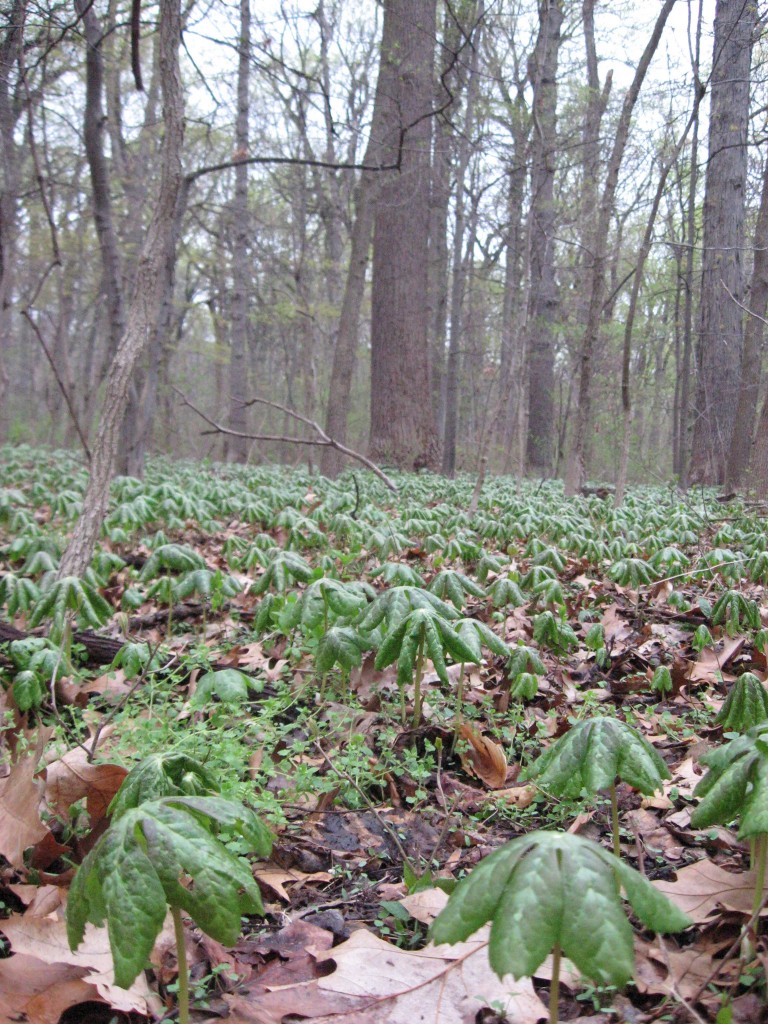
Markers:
{"x": 21, "y": 793}
{"x": 710, "y": 663}
{"x": 276, "y": 878}
{"x": 38, "y": 992}
{"x": 703, "y": 887}
{"x": 377, "y": 983}
{"x": 484, "y": 758}
{"x": 665, "y": 970}
{"x": 73, "y": 777}
{"x": 45, "y": 938}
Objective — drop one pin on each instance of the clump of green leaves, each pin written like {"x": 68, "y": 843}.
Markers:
{"x": 551, "y": 892}
{"x": 745, "y": 706}
{"x": 137, "y": 869}
{"x": 591, "y": 756}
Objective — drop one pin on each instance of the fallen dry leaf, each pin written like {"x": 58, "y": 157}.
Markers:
{"x": 484, "y": 758}
{"x": 377, "y": 983}
{"x": 39, "y": 992}
{"x": 21, "y": 793}
{"x": 72, "y": 777}
{"x": 276, "y": 878}
{"x": 702, "y": 887}
{"x": 46, "y": 940}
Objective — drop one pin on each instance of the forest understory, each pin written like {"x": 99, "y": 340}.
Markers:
{"x": 375, "y": 675}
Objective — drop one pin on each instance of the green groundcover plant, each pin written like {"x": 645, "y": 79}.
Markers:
{"x": 550, "y": 892}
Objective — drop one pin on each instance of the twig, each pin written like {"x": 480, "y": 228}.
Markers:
{"x": 322, "y": 439}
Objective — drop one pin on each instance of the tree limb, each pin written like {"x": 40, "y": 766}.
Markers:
{"x": 322, "y": 438}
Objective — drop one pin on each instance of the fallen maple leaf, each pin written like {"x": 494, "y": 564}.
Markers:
{"x": 31, "y": 990}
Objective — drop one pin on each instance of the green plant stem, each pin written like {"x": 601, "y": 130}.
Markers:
{"x": 615, "y": 820}
{"x": 554, "y": 987}
{"x": 459, "y": 705}
{"x": 417, "y": 686}
{"x": 181, "y": 956}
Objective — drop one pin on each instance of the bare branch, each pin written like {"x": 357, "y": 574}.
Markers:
{"x": 322, "y": 439}
{"x": 741, "y": 304}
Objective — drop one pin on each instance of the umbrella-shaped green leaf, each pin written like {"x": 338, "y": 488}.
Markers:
{"x": 547, "y": 890}
{"x": 745, "y": 706}
{"x": 341, "y": 646}
{"x": 138, "y": 867}
{"x": 165, "y": 774}
{"x": 593, "y": 754}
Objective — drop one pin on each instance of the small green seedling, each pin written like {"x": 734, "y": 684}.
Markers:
{"x": 661, "y": 681}
{"x": 591, "y": 756}
{"x": 549, "y": 892}
{"x": 745, "y": 706}
{"x": 136, "y": 871}
{"x": 423, "y": 633}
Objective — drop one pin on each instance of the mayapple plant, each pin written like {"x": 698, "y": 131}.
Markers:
{"x": 549, "y": 892}
{"x": 591, "y": 756}
{"x": 423, "y": 633}
{"x": 136, "y": 871}
{"x": 736, "y": 786}
{"x": 745, "y": 706}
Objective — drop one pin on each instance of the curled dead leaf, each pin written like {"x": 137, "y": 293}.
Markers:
{"x": 484, "y": 758}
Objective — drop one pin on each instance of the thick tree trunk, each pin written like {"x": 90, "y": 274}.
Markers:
{"x": 543, "y": 302}
{"x": 746, "y": 409}
{"x": 722, "y": 276}
{"x": 403, "y": 429}
{"x": 145, "y": 304}
{"x": 575, "y": 474}
{"x": 237, "y": 447}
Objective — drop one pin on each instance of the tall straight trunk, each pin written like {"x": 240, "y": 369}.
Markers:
{"x": 237, "y": 447}
{"x": 93, "y": 136}
{"x": 575, "y": 473}
{"x": 742, "y": 454}
{"x": 720, "y": 339}
{"x": 10, "y": 110}
{"x": 403, "y": 430}
{"x": 682, "y": 421}
{"x": 460, "y": 265}
{"x": 746, "y": 409}
{"x": 145, "y": 304}
{"x": 511, "y": 390}
{"x": 591, "y": 172}
{"x": 543, "y": 302}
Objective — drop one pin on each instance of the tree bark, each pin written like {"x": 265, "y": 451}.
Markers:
{"x": 237, "y": 447}
{"x": 575, "y": 474}
{"x": 10, "y": 109}
{"x": 746, "y": 409}
{"x": 720, "y": 340}
{"x": 145, "y": 303}
{"x": 543, "y": 301}
{"x": 403, "y": 430}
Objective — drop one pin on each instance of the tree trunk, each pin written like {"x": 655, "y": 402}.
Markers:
{"x": 10, "y": 49}
{"x": 746, "y": 408}
{"x": 543, "y": 302}
{"x": 237, "y": 447}
{"x": 145, "y": 303}
{"x": 722, "y": 277}
{"x": 575, "y": 474}
{"x": 403, "y": 430}
{"x": 460, "y": 265}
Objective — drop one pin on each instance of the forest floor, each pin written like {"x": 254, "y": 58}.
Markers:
{"x": 249, "y": 620}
